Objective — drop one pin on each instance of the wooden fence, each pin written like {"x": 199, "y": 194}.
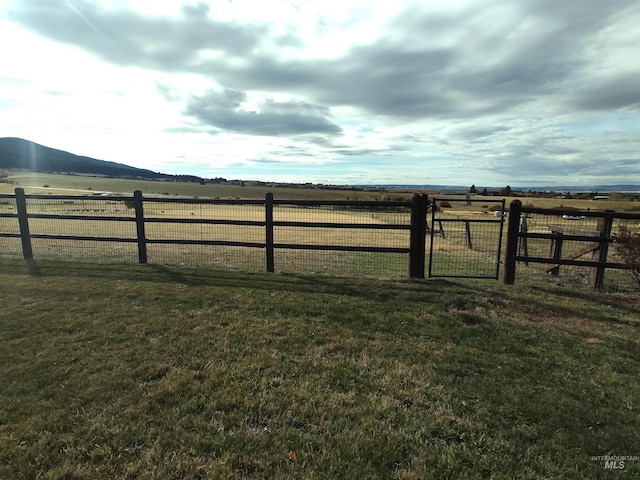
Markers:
{"x": 417, "y": 227}
{"x": 595, "y": 242}
{"x": 593, "y": 252}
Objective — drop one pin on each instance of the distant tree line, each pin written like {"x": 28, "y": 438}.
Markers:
{"x": 509, "y": 192}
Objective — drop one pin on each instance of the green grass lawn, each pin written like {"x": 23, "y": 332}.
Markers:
{"x": 148, "y": 372}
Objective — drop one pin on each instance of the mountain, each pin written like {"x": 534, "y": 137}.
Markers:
{"x": 23, "y": 154}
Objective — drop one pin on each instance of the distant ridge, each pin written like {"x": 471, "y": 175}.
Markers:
{"x": 17, "y": 153}
{"x": 22, "y": 154}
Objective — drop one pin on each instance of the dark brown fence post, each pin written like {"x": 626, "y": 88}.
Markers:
{"x": 523, "y": 248}
{"x": 417, "y": 242}
{"x": 142, "y": 239}
{"x": 515, "y": 210}
{"x": 23, "y": 222}
{"x": 556, "y": 253}
{"x": 605, "y": 225}
{"x": 467, "y": 228}
{"x": 268, "y": 203}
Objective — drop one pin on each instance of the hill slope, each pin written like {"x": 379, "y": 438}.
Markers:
{"x": 26, "y": 155}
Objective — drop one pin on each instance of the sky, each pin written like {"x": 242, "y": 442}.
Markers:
{"x": 437, "y": 92}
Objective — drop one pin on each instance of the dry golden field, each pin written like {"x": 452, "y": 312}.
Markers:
{"x": 43, "y": 183}
{"x": 86, "y": 185}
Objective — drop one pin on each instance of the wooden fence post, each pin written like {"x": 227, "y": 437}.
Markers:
{"x": 515, "y": 210}
{"x": 23, "y": 222}
{"x": 142, "y": 239}
{"x": 556, "y": 253}
{"x": 523, "y": 247}
{"x": 417, "y": 241}
{"x": 605, "y": 225}
{"x": 467, "y": 228}
{"x": 268, "y": 203}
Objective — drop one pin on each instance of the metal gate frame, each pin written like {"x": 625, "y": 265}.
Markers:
{"x": 432, "y": 231}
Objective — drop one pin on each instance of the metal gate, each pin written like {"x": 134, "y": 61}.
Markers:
{"x": 465, "y": 237}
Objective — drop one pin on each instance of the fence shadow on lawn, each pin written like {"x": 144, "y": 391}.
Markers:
{"x": 627, "y": 302}
{"x": 211, "y": 277}
{"x": 451, "y": 295}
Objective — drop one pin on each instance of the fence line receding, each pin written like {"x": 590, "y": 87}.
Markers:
{"x": 367, "y": 236}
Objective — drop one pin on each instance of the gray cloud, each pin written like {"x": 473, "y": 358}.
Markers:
{"x": 127, "y": 38}
{"x": 613, "y": 94}
{"x": 224, "y": 110}
{"x": 424, "y": 71}
{"x": 168, "y": 93}
{"x": 488, "y": 58}
{"x": 561, "y": 158}
{"x": 480, "y": 132}
{"x": 199, "y": 10}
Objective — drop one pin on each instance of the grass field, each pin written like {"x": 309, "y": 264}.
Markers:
{"x": 43, "y": 183}
{"x": 128, "y": 371}
{"x": 86, "y": 185}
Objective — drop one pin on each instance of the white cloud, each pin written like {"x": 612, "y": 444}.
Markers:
{"x": 482, "y": 92}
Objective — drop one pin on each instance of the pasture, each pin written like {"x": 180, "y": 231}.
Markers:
{"x": 471, "y": 250}
{"x": 86, "y": 185}
{"x": 148, "y": 371}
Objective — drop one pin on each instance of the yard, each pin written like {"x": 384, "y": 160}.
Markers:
{"x": 134, "y": 371}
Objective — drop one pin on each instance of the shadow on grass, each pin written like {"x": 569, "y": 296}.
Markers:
{"x": 209, "y": 276}
{"x": 627, "y": 303}
{"x": 32, "y": 266}
{"x": 449, "y": 294}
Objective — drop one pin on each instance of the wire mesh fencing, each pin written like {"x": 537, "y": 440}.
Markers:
{"x": 353, "y": 238}
{"x": 558, "y": 237}
{"x": 102, "y": 228}
{"x": 226, "y": 234}
{"x": 332, "y": 239}
{"x": 465, "y": 241}
{"x": 10, "y": 245}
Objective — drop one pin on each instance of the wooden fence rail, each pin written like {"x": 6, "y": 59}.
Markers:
{"x": 417, "y": 227}
{"x": 598, "y": 242}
